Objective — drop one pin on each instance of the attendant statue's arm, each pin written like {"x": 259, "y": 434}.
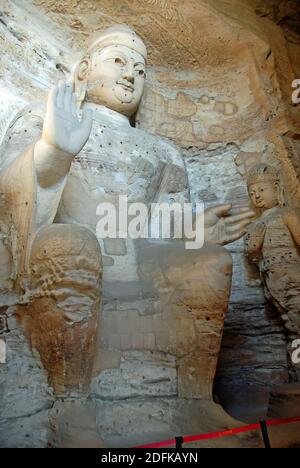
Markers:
{"x": 64, "y": 135}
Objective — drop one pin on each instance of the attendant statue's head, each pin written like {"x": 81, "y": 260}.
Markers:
{"x": 112, "y": 72}
{"x": 264, "y": 187}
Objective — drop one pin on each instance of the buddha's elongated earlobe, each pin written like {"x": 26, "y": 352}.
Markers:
{"x": 81, "y": 89}
{"x": 83, "y": 69}
{"x": 80, "y": 77}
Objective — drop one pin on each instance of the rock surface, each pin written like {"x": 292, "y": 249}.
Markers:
{"x": 284, "y": 401}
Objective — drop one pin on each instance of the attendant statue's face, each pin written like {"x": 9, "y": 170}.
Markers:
{"x": 116, "y": 79}
{"x": 264, "y": 195}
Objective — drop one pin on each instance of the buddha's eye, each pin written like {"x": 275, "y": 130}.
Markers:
{"x": 119, "y": 61}
{"x": 140, "y": 71}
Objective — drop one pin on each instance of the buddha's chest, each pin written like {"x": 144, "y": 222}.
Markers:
{"x": 113, "y": 163}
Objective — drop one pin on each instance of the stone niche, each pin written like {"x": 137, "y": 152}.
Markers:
{"x": 219, "y": 87}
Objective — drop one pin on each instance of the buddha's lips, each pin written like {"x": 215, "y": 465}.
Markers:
{"x": 126, "y": 86}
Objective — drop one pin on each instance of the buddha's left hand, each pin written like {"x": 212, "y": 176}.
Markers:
{"x": 222, "y": 227}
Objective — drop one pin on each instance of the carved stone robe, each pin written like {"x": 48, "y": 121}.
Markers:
{"x": 157, "y": 297}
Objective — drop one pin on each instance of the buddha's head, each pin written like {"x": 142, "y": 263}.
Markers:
{"x": 112, "y": 72}
{"x": 264, "y": 187}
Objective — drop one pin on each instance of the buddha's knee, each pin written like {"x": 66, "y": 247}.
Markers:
{"x": 199, "y": 277}
{"x": 65, "y": 257}
{"x": 203, "y": 277}
{"x": 62, "y": 318}
{"x": 173, "y": 263}
{"x": 211, "y": 259}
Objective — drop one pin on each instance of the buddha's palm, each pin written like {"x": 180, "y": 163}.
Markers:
{"x": 62, "y": 128}
{"x": 220, "y": 227}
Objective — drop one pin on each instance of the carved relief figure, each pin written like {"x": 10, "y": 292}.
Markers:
{"x": 51, "y": 193}
{"x": 273, "y": 241}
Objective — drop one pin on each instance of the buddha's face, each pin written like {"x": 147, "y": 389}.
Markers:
{"x": 115, "y": 78}
{"x": 264, "y": 195}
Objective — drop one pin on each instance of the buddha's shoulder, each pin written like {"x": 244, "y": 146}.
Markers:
{"x": 164, "y": 147}
{"x": 23, "y": 128}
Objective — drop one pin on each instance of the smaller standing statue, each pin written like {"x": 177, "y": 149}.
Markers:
{"x": 273, "y": 241}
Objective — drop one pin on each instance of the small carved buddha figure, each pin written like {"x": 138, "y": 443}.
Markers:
{"x": 272, "y": 242}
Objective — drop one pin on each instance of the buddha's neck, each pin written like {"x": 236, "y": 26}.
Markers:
{"x": 104, "y": 115}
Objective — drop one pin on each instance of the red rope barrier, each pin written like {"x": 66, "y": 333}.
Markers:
{"x": 281, "y": 422}
{"x": 228, "y": 432}
{"x": 215, "y": 435}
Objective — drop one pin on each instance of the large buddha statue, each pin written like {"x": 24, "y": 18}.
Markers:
{"x": 89, "y": 153}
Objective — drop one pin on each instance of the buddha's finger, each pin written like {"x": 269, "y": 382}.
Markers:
{"x": 220, "y": 210}
{"x": 74, "y": 105}
{"x": 240, "y": 217}
{"x": 52, "y": 97}
{"x": 238, "y": 227}
{"x": 235, "y": 236}
{"x": 68, "y": 97}
{"x": 60, "y": 95}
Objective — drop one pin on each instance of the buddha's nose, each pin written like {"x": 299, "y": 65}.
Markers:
{"x": 129, "y": 73}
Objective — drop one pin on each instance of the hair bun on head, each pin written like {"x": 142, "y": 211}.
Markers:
{"x": 262, "y": 173}
{"x": 120, "y": 34}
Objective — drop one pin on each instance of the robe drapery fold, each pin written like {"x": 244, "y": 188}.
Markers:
{"x": 18, "y": 184}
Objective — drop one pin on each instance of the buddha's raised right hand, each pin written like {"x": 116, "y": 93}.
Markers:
{"x": 62, "y": 128}
{"x": 64, "y": 135}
